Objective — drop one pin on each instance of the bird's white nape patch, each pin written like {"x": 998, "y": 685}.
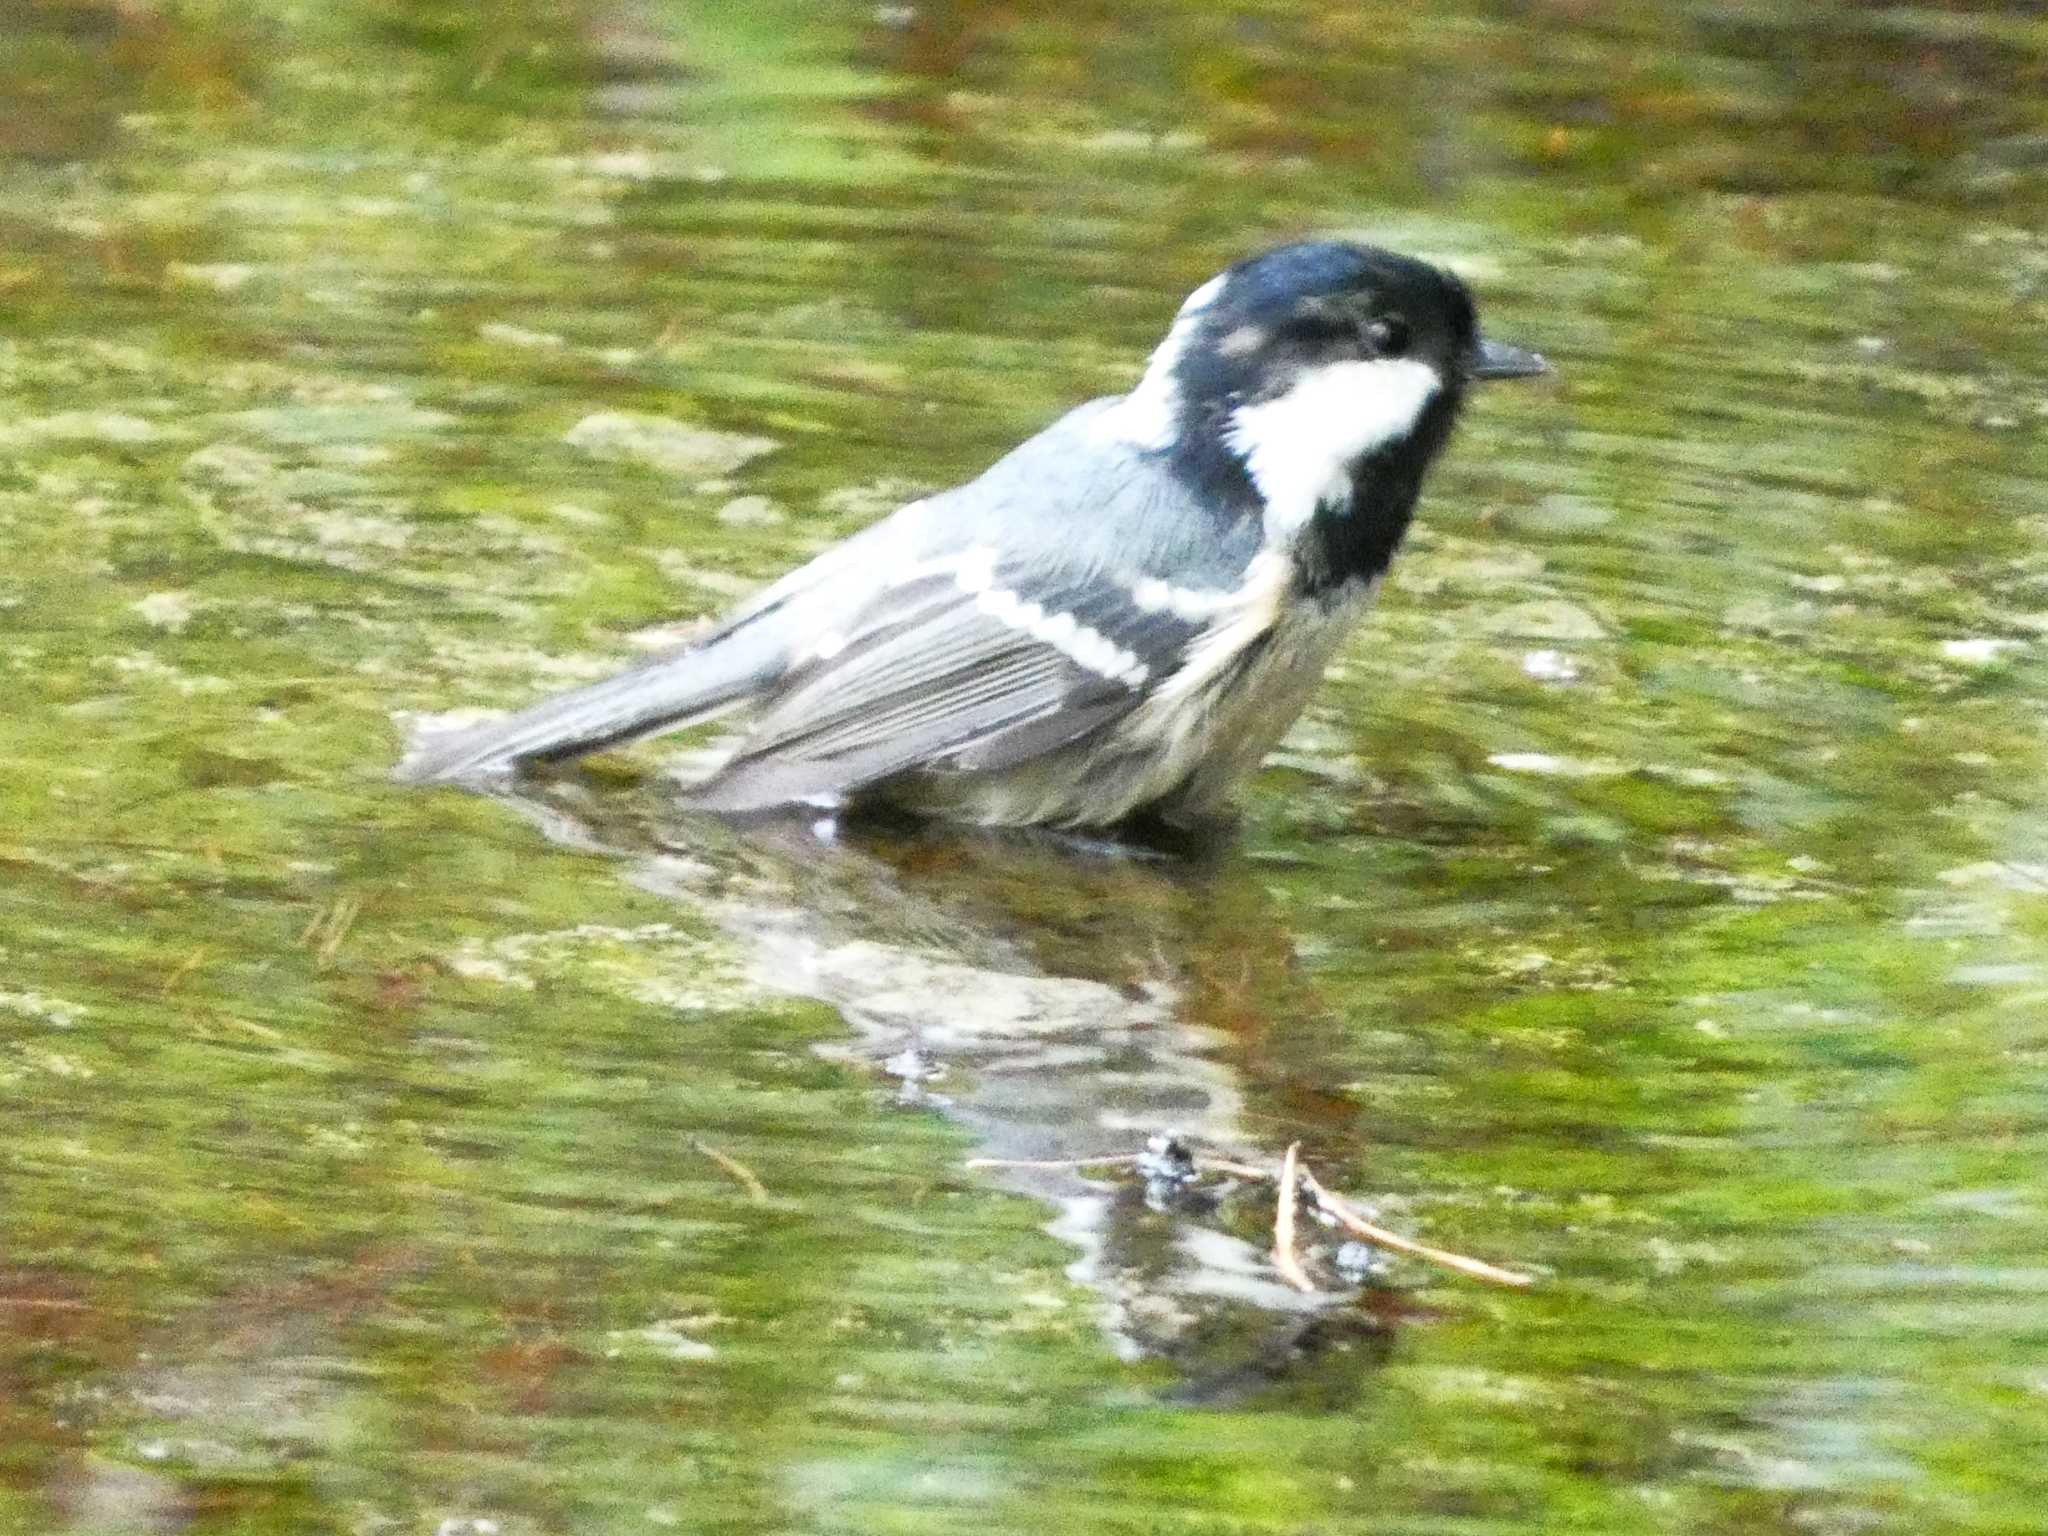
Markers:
{"x": 1300, "y": 447}
{"x": 1146, "y": 417}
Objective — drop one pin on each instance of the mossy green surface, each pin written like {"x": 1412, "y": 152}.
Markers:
{"x": 1655, "y": 899}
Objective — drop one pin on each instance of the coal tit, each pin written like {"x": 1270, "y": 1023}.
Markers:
{"x": 1123, "y": 615}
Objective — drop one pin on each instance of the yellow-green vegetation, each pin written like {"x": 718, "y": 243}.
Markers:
{"x": 1657, "y": 899}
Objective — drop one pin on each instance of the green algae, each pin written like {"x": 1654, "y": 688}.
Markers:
{"x": 350, "y": 1180}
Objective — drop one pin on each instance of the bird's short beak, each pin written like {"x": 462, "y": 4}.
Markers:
{"x": 1498, "y": 360}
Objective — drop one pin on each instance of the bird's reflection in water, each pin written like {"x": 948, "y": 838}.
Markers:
{"x": 1064, "y": 1000}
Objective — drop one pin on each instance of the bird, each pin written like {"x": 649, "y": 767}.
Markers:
{"x": 1116, "y": 621}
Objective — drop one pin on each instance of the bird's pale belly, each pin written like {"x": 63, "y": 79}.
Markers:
{"x": 1181, "y": 755}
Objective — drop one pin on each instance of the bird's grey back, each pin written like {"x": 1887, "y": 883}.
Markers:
{"x": 1116, "y": 507}
{"x": 1102, "y": 516}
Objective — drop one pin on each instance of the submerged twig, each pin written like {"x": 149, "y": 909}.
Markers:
{"x": 185, "y": 968}
{"x": 1111, "y": 1160}
{"x": 1293, "y": 1179}
{"x": 1283, "y": 1223}
{"x": 742, "y": 1175}
{"x": 1346, "y": 1217}
{"x": 345, "y": 913}
{"x": 1237, "y": 1170}
{"x": 329, "y": 926}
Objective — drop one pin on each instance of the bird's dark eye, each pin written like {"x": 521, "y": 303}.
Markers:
{"x": 1386, "y": 336}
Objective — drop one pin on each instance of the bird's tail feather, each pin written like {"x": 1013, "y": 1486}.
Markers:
{"x": 664, "y": 694}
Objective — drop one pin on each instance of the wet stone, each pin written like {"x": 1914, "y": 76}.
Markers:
{"x": 664, "y": 444}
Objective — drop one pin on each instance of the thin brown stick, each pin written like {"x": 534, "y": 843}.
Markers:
{"x": 1346, "y": 1216}
{"x": 1283, "y": 1223}
{"x": 185, "y": 968}
{"x": 744, "y": 1176}
{"x": 1112, "y": 1160}
{"x": 1338, "y": 1209}
{"x": 1241, "y": 1170}
{"x": 344, "y": 918}
{"x": 1352, "y": 1222}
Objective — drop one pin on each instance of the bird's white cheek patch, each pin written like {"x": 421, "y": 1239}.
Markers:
{"x": 1300, "y": 447}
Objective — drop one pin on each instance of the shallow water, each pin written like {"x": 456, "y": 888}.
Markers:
{"x": 1653, "y": 900}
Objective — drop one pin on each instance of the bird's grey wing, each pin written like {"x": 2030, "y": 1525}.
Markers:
{"x": 970, "y": 664}
{"x": 733, "y": 662}
{"x": 955, "y": 676}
